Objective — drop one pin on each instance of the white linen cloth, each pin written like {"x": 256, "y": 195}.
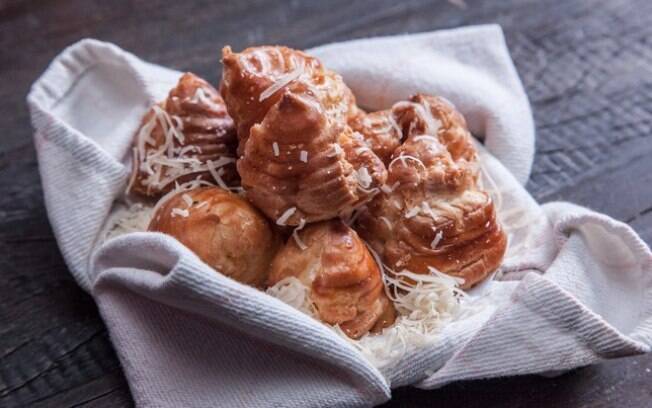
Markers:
{"x": 578, "y": 291}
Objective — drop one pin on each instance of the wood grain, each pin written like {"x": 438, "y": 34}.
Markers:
{"x": 586, "y": 66}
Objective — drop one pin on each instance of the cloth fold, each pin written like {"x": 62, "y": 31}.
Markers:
{"x": 575, "y": 287}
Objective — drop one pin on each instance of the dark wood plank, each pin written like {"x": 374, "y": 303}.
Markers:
{"x": 586, "y": 65}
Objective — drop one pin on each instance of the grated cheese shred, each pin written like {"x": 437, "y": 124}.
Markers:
{"x": 295, "y": 235}
{"x": 403, "y": 158}
{"x": 337, "y": 150}
{"x": 293, "y": 292}
{"x": 364, "y": 179}
{"x": 412, "y": 212}
{"x": 187, "y": 186}
{"x": 386, "y": 221}
{"x": 186, "y": 199}
{"x": 438, "y": 236}
{"x": 168, "y": 162}
{"x": 180, "y": 212}
{"x": 283, "y": 219}
{"x": 127, "y": 219}
{"x": 427, "y": 138}
{"x": 281, "y": 82}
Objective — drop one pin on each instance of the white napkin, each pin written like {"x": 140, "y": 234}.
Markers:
{"x": 578, "y": 288}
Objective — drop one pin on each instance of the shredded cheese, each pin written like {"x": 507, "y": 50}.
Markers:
{"x": 168, "y": 161}
{"x": 134, "y": 162}
{"x": 403, "y": 158}
{"x": 282, "y": 220}
{"x": 281, "y": 82}
{"x": 427, "y": 138}
{"x": 295, "y": 234}
{"x": 201, "y": 97}
{"x": 395, "y": 125}
{"x": 350, "y": 219}
{"x": 180, "y": 211}
{"x": 127, "y": 219}
{"x": 412, "y": 212}
{"x": 364, "y": 179}
{"x": 386, "y": 221}
{"x": 293, "y": 292}
{"x": 425, "y": 207}
{"x": 303, "y": 156}
{"x": 438, "y": 236}
{"x": 424, "y": 113}
{"x": 276, "y": 150}
{"x": 187, "y": 186}
{"x": 432, "y": 124}
{"x": 187, "y": 199}
{"x": 362, "y": 149}
{"x": 337, "y": 150}
{"x": 217, "y": 171}
{"x": 389, "y": 189}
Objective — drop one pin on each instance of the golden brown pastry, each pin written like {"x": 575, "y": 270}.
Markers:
{"x": 224, "y": 230}
{"x": 432, "y": 213}
{"x": 299, "y": 159}
{"x": 189, "y": 135}
{"x": 380, "y": 132}
{"x": 344, "y": 280}
{"x": 254, "y": 80}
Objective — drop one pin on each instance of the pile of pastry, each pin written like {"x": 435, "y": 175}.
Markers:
{"x": 281, "y": 175}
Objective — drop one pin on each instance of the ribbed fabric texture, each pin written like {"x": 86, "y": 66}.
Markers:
{"x": 188, "y": 336}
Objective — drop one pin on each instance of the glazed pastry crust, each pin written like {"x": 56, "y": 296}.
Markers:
{"x": 380, "y": 131}
{"x": 224, "y": 230}
{"x": 345, "y": 283}
{"x": 298, "y": 157}
{"x": 248, "y": 77}
{"x": 204, "y": 133}
{"x": 435, "y": 215}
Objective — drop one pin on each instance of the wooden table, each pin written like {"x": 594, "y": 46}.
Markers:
{"x": 586, "y": 66}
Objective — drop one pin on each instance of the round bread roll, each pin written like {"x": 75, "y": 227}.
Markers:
{"x": 345, "y": 283}
{"x": 224, "y": 230}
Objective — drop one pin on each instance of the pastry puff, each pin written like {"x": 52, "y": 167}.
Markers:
{"x": 299, "y": 159}
{"x": 254, "y": 79}
{"x": 432, "y": 213}
{"x": 225, "y": 232}
{"x": 345, "y": 282}
{"x": 182, "y": 137}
